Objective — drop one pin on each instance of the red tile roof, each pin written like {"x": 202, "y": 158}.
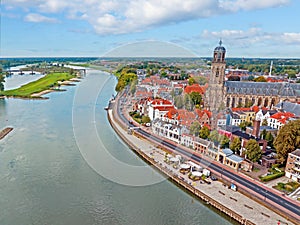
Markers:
{"x": 194, "y": 88}
{"x": 160, "y": 102}
{"x": 282, "y": 117}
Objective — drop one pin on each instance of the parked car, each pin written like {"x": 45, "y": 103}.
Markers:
{"x": 213, "y": 178}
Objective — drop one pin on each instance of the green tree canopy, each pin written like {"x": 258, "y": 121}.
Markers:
{"x": 195, "y": 128}
{"x": 125, "y": 78}
{"x": 146, "y": 119}
{"x": 269, "y": 138}
{"x": 244, "y": 124}
{"x": 224, "y": 141}
{"x": 204, "y": 132}
{"x": 196, "y": 98}
{"x": 253, "y": 150}
{"x": 287, "y": 140}
{"x": 260, "y": 79}
{"x": 235, "y": 145}
{"x": 191, "y": 81}
{"x": 214, "y": 136}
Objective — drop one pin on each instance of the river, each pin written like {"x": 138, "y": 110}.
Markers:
{"x": 45, "y": 180}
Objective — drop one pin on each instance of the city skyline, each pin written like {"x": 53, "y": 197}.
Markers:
{"x": 265, "y": 29}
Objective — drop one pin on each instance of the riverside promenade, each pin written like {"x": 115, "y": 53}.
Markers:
{"x": 232, "y": 203}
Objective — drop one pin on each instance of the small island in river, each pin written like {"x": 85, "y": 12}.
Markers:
{"x": 50, "y": 82}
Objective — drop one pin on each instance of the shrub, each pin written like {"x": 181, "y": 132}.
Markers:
{"x": 272, "y": 176}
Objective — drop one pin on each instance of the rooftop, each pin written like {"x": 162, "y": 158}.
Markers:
{"x": 296, "y": 152}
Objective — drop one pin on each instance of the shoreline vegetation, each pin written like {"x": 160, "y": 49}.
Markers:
{"x": 49, "y": 83}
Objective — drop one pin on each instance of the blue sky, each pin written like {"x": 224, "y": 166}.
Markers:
{"x": 248, "y": 28}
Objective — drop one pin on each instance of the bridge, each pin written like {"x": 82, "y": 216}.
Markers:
{"x": 32, "y": 72}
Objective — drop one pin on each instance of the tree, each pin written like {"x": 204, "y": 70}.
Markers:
{"x": 132, "y": 88}
{"x": 269, "y": 138}
{"x": 191, "y": 81}
{"x": 146, "y": 119}
{"x": 253, "y": 150}
{"x": 287, "y": 140}
{"x": 244, "y": 124}
{"x": 204, "y": 132}
{"x": 214, "y": 136}
{"x": 195, "y": 128}
{"x": 236, "y": 145}
{"x": 224, "y": 141}
{"x": 251, "y": 78}
{"x": 196, "y": 98}
{"x": 263, "y": 134}
{"x": 260, "y": 79}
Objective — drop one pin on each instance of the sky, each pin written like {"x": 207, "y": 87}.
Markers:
{"x": 97, "y": 28}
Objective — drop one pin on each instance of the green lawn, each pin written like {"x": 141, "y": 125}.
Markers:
{"x": 42, "y": 84}
{"x": 287, "y": 187}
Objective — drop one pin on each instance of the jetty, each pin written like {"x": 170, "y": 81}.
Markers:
{"x": 5, "y": 132}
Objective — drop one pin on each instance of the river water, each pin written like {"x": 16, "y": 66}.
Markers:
{"x": 45, "y": 180}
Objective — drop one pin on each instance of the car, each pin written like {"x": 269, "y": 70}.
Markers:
{"x": 213, "y": 178}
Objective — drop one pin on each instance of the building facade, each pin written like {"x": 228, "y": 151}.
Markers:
{"x": 292, "y": 169}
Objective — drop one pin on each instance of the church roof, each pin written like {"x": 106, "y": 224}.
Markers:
{"x": 220, "y": 48}
{"x": 289, "y": 107}
{"x": 262, "y": 88}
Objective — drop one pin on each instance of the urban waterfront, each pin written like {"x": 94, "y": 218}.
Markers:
{"x": 44, "y": 179}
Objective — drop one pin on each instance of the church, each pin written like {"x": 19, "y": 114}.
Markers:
{"x": 223, "y": 94}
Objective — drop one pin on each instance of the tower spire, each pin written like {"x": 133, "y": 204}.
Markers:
{"x": 220, "y": 42}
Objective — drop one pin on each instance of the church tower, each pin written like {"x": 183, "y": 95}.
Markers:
{"x": 214, "y": 97}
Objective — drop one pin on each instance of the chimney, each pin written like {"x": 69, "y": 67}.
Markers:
{"x": 256, "y": 128}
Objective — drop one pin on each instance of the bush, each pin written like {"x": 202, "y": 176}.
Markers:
{"x": 272, "y": 176}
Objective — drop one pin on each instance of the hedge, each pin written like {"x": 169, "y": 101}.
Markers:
{"x": 272, "y": 176}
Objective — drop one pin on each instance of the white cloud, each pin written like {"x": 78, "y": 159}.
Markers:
{"x": 37, "y": 18}
{"x": 125, "y": 16}
{"x": 291, "y": 38}
{"x": 252, "y": 36}
{"x": 236, "y": 5}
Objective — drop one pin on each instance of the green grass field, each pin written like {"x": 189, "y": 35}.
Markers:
{"x": 42, "y": 84}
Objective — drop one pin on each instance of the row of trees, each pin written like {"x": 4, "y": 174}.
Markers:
{"x": 126, "y": 76}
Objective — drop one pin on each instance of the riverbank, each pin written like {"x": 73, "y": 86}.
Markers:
{"x": 5, "y": 132}
{"x": 234, "y": 204}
